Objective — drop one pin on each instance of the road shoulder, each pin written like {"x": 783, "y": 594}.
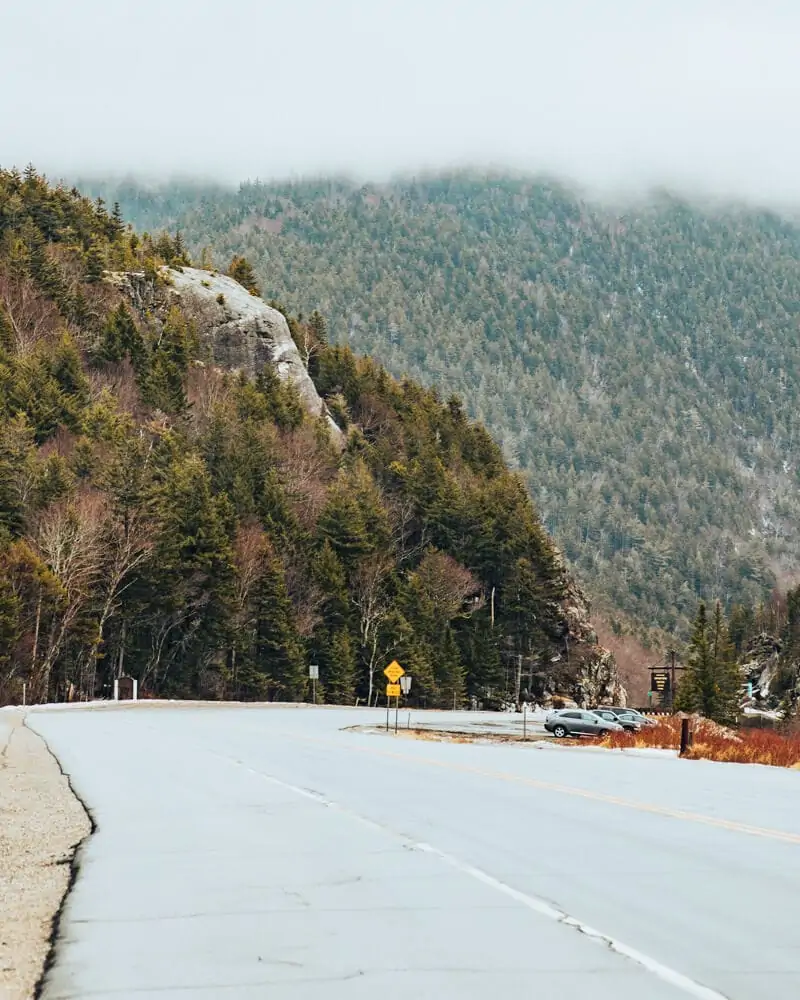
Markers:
{"x": 41, "y": 825}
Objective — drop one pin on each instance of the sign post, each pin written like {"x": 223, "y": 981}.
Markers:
{"x": 313, "y": 673}
{"x": 393, "y": 673}
{"x": 405, "y": 687}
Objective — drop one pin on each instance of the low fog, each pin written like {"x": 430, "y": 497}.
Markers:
{"x": 618, "y": 95}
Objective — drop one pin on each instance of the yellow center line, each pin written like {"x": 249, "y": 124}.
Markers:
{"x": 583, "y": 793}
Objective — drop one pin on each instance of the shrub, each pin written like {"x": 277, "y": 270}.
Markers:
{"x": 715, "y": 742}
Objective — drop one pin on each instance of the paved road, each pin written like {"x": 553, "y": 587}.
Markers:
{"x": 255, "y": 853}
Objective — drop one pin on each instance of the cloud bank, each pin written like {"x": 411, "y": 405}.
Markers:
{"x": 616, "y": 94}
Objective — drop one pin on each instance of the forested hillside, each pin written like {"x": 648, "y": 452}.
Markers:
{"x": 641, "y": 368}
{"x": 203, "y": 531}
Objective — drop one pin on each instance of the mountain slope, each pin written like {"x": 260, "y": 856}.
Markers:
{"x": 175, "y": 503}
{"x": 641, "y": 368}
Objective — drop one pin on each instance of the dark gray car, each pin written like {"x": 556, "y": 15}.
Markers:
{"x": 626, "y": 714}
{"x": 576, "y": 722}
{"x": 626, "y": 720}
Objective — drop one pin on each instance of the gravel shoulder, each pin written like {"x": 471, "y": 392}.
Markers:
{"x": 41, "y": 824}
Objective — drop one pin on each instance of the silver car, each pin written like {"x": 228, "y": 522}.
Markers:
{"x": 577, "y": 722}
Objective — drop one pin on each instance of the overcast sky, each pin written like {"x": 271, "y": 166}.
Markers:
{"x": 690, "y": 93}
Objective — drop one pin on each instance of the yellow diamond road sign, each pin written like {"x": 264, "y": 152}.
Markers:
{"x": 392, "y": 690}
{"x": 394, "y": 671}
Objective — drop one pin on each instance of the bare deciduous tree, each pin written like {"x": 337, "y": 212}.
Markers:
{"x": 68, "y": 539}
{"x": 448, "y": 585}
{"x": 248, "y": 559}
{"x": 127, "y": 543}
{"x": 31, "y": 316}
{"x": 369, "y": 596}
{"x": 207, "y": 390}
{"x": 307, "y": 472}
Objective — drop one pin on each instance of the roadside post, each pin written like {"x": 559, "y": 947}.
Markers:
{"x": 687, "y": 735}
{"x": 672, "y": 680}
{"x": 313, "y": 673}
{"x": 405, "y": 687}
{"x": 524, "y": 720}
{"x": 393, "y": 673}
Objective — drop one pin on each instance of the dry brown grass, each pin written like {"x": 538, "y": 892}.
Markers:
{"x": 715, "y": 742}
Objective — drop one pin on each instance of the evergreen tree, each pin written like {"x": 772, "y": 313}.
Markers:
{"x": 338, "y": 667}
{"x": 181, "y": 254}
{"x": 333, "y": 647}
{"x": 282, "y": 400}
{"x": 711, "y": 684}
{"x": 117, "y": 222}
{"x": 169, "y": 362}
{"x": 94, "y": 263}
{"x": 120, "y": 338}
{"x": 278, "y": 651}
{"x": 190, "y": 577}
{"x": 241, "y": 270}
{"x": 342, "y": 526}
{"x": 10, "y": 621}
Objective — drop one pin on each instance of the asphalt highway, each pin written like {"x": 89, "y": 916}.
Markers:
{"x": 276, "y": 852}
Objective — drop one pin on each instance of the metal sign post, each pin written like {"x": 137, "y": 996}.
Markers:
{"x": 313, "y": 673}
{"x": 393, "y": 673}
{"x": 405, "y": 687}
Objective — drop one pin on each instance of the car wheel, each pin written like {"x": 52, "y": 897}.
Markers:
{"x": 560, "y": 731}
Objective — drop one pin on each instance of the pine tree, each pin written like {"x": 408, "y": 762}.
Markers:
{"x": 165, "y": 248}
{"x": 338, "y": 667}
{"x": 46, "y": 272}
{"x": 94, "y": 263}
{"x": 278, "y": 652}
{"x": 16, "y": 465}
{"x": 241, "y": 270}
{"x": 342, "y": 525}
{"x": 181, "y": 255}
{"x": 711, "y": 683}
{"x": 333, "y": 646}
{"x": 190, "y": 577}
{"x": 10, "y": 624}
{"x": 117, "y": 221}
{"x": 169, "y": 363}
{"x": 120, "y": 338}
{"x": 283, "y": 402}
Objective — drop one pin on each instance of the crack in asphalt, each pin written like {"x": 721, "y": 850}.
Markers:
{"x": 672, "y": 976}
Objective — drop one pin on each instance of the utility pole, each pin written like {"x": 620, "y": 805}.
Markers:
{"x": 672, "y": 680}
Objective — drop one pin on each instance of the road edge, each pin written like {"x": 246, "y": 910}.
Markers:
{"x": 74, "y": 861}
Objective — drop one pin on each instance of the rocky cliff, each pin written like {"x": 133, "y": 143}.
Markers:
{"x": 240, "y": 330}
{"x": 586, "y": 671}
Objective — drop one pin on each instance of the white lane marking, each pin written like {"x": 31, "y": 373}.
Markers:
{"x": 544, "y": 909}
{"x": 668, "y": 975}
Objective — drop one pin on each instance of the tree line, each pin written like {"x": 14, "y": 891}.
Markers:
{"x": 638, "y": 363}
{"x": 721, "y": 648}
{"x": 200, "y": 531}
